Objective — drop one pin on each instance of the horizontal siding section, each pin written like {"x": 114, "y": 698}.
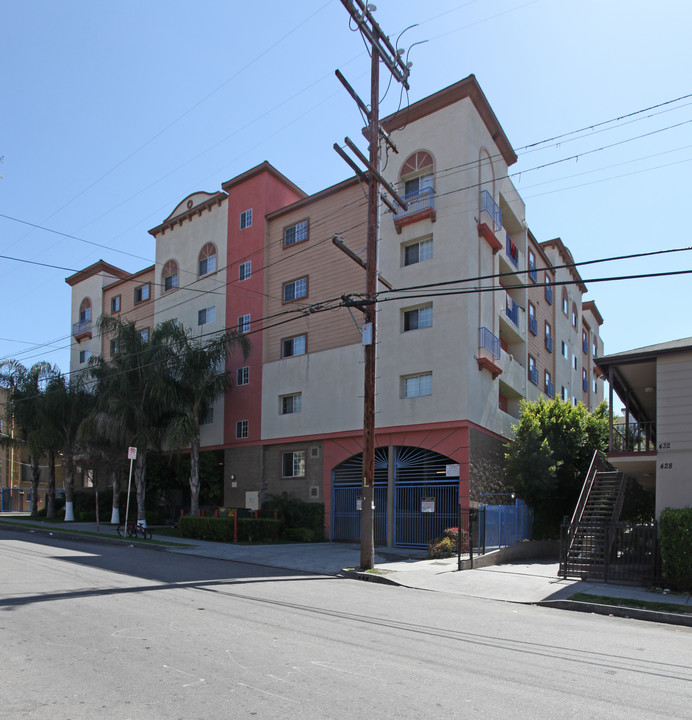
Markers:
{"x": 674, "y": 400}
{"x": 329, "y": 271}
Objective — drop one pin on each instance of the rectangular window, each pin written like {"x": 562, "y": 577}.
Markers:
{"x": 417, "y": 252}
{"x": 295, "y": 289}
{"x": 565, "y": 350}
{"x": 565, "y": 394}
{"x": 144, "y": 334}
{"x": 533, "y": 323}
{"x": 548, "y": 291}
{"x": 533, "y": 274}
{"x": 207, "y": 417}
{"x": 207, "y": 315}
{"x": 565, "y": 303}
{"x": 170, "y": 282}
{"x": 584, "y": 342}
{"x": 142, "y": 293}
{"x": 293, "y": 346}
{"x": 241, "y": 429}
{"x": 245, "y": 219}
{"x": 84, "y": 356}
{"x": 595, "y": 348}
{"x": 290, "y": 404}
{"x": 242, "y": 376}
{"x": 245, "y": 270}
{"x": 416, "y": 385}
{"x": 533, "y": 370}
{"x": 549, "y": 387}
{"x": 548, "y": 337}
{"x": 296, "y": 233}
{"x": 574, "y": 361}
{"x": 115, "y": 304}
{"x": 293, "y": 464}
{"x": 207, "y": 265}
{"x": 585, "y": 381}
{"x": 244, "y": 323}
{"x": 418, "y": 184}
{"x": 113, "y": 347}
{"x": 417, "y": 318}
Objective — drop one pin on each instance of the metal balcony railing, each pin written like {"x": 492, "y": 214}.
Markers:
{"x": 585, "y": 346}
{"x": 512, "y": 311}
{"x": 81, "y": 328}
{"x": 417, "y": 200}
{"x": 512, "y": 252}
{"x": 489, "y": 205}
{"x": 549, "y": 294}
{"x": 533, "y": 375}
{"x": 533, "y": 324}
{"x": 634, "y": 437}
{"x": 549, "y": 388}
{"x": 533, "y": 273}
{"x": 549, "y": 343}
{"x": 489, "y": 341}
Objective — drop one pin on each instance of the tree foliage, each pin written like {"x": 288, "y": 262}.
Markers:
{"x": 547, "y": 463}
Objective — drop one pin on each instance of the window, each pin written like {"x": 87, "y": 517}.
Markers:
{"x": 416, "y": 385}
{"x": 113, "y": 347}
{"x": 565, "y": 394}
{"x": 245, "y": 219}
{"x": 548, "y": 290}
{"x": 548, "y": 337}
{"x": 295, "y": 289}
{"x": 533, "y": 323}
{"x": 585, "y": 342}
{"x": 241, "y": 429}
{"x": 293, "y": 346}
{"x": 142, "y": 293}
{"x": 417, "y": 252}
{"x": 242, "y": 376}
{"x": 244, "y": 323}
{"x": 549, "y": 387}
{"x": 293, "y": 464}
{"x": 565, "y": 350}
{"x": 418, "y": 184}
{"x": 574, "y": 361}
{"x": 533, "y": 371}
{"x": 115, "y": 304}
{"x": 84, "y": 356}
{"x": 207, "y": 259}
{"x": 85, "y": 311}
{"x": 533, "y": 274}
{"x": 290, "y": 404}
{"x": 245, "y": 270}
{"x": 207, "y": 315}
{"x": 595, "y": 348}
{"x": 565, "y": 303}
{"x": 296, "y": 233}
{"x": 144, "y": 334}
{"x": 595, "y": 385}
{"x": 170, "y": 275}
{"x": 574, "y": 315}
{"x": 584, "y": 380}
{"x": 417, "y": 318}
{"x": 207, "y": 416}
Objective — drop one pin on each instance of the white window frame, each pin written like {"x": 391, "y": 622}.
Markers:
{"x": 207, "y": 418}
{"x": 295, "y": 290}
{"x": 290, "y": 404}
{"x": 297, "y": 233}
{"x": 417, "y": 318}
{"x": 425, "y": 251}
{"x": 418, "y": 385}
{"x": 245, "y": 270}
{"x": 296, "y": 462}
{"x": 244, "y": 323}
{"x": 84, "y": 356}
{"x": 242, "y": 376}
{"x": 246, "y": 219}
{"x": 209, "y": 265}
{"x": 141, "y": 292}
{"x": 115, "y": 304}
{"x": 242, "y": 429}
{"x": 206, "y": 315}
{"x": 302, "y": 344}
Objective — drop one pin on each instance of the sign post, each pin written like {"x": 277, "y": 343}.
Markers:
{"x": 131, "y": 456}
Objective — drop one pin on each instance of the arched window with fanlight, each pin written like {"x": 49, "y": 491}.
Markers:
{"x": 85, "y": 311}
{"x": 169, "y": 275}
{"x": 416, "y": 184}
{"x": 207, "y": 259}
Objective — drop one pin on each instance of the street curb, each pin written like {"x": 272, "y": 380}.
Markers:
{"x": 619, "y": 611}
{"x": 369, "y": 577}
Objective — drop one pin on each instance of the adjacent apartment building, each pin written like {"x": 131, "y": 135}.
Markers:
{"x": 475, "y": 314}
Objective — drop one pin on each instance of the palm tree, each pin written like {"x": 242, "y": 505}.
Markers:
{"x": 199, "y": 376}
{"x": 25, "y": 398}
{"x": 133, "y": 395}
{"x": 66, "y": 404}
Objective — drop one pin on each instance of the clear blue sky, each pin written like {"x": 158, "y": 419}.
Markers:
{"x": 111, "y": 113}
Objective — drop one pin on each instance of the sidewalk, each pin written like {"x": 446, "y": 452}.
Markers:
{"x": 523, "y": 582}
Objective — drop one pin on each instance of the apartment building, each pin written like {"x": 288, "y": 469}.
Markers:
{"x": 481, "y": 315}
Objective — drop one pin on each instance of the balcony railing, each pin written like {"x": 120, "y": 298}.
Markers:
{"x": 585, "y": 346}
{"x": 512, "y": 252}
{"x": 489, "y": 342}
{"x": 634, "y": 437}
{"x": 550, "y": 388}
{"x": 549, "y": 294}
{"x": 418, "y": 200}
{"x": 489, "y": 205}
{"x": 533, "y": 324}
{"x": 512, "y": 311}
{"x": 549, "y": 343}
{"x": 81, "y": 328}
{"x": 533, "y": 273}
{"x": 533, "y": 375}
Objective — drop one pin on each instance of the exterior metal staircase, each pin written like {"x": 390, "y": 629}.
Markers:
{"x": 587, "y": 542}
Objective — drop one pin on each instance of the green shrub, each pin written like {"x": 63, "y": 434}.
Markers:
{"x": 675, "y": 533}
{"x": 85, "y": 516}
{"x": 257, "y": 529}
{"x": 221, "y": 529}
{"x": 299, "y": 534}
{"x": 447, "y": 545}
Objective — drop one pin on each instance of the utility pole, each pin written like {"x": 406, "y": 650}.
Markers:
{"x": 381, "y": 51}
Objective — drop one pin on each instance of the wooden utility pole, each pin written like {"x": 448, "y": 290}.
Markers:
{"x": 381, "y": 51}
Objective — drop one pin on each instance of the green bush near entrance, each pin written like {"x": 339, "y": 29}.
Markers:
{"x": 675, "y": 535}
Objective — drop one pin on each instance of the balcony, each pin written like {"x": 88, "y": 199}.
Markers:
{"x": 633, "y": 437}
{"x": 81, "y": 330}
{"x": 549, "y": 294}
{"x": 533, "y": 273}
{"x": 533, "y": 324}
{"x": 533, "y": 375}
{"x": 512, "y": 311}
{"x": 492, "y": 210}
{"x": 550, "y": 388}
{"x": 512, "y": 251}
{"x": 489, "y": 352}
{"x": 549, "y": 343}
{"x": 421, "y": 206}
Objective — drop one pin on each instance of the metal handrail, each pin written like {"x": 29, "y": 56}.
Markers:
{"x": 489, "y": 205}
{"x": 417, "y": 200}
{"x": 490, "y": 342}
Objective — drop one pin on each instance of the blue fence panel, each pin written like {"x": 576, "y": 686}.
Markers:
{"x": 414, "y": 528}
{"x": 507, "y": 524}
{"x": 346, "y": 516}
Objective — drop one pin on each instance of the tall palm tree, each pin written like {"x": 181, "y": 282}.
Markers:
{"x": 198, "y": 372}
{"x": 25, "y": 398}
{"x": 133, "y": 394}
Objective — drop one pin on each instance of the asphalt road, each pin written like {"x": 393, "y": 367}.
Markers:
{"x": 99, "y": 631}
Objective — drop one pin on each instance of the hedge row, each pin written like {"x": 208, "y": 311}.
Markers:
{"x": 221, "y": 529}
{"x": 675, "y": 534}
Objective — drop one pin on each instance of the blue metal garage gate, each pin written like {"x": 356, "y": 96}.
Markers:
{"x": 425, "y": 499}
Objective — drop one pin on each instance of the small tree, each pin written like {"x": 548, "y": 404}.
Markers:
{"x": 550, "y": 456}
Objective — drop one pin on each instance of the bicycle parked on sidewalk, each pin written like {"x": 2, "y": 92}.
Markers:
{"x": 134, "y": 529}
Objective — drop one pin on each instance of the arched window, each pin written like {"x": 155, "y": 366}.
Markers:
{"x": 417, "y": 173}
{"x": 169, "y": 275}
{"x": 207, "y": 259}
{"x": 85, "y": 310}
